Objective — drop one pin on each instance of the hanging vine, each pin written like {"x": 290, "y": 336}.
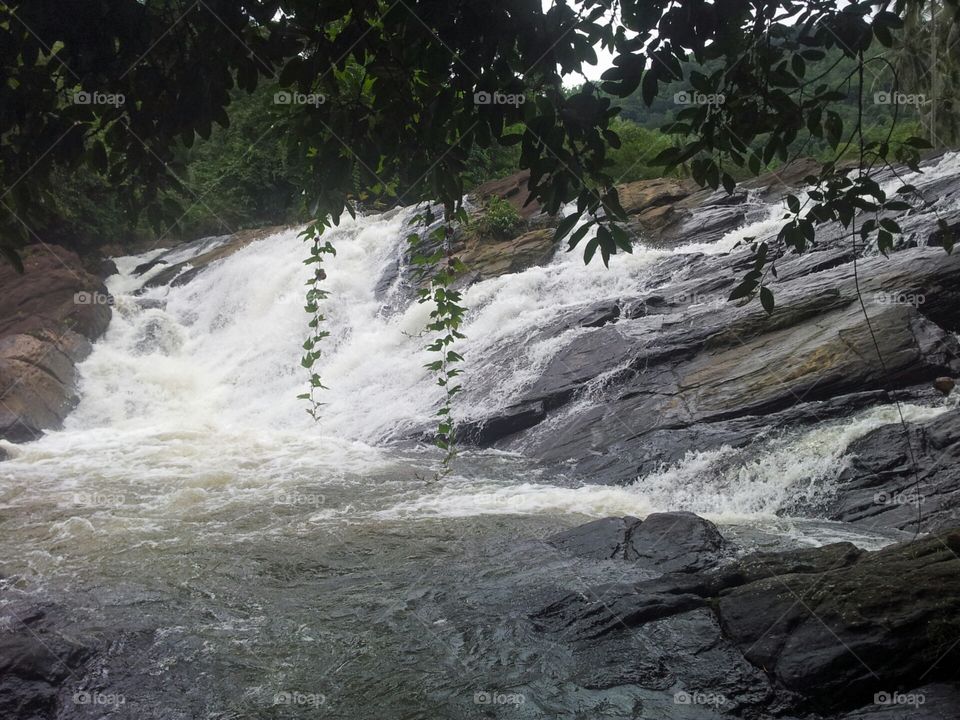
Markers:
{"x": 315, "y": 294}
{"x": 436, "y": 269}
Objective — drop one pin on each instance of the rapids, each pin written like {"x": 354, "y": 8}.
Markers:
{"x": 236, "y": 560}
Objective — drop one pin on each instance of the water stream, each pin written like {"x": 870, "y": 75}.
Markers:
{"x": 236, "y": 560}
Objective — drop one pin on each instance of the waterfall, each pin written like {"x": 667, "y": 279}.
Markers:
{"x": 209, "y": 369}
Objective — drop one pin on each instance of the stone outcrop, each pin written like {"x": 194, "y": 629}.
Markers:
{"x": 487, "y": 258}
{"x": 178, "y": 273}
{"x": 49, "y": 316}
{"x": 513, "y": 189}
{"x": 829, "y": 629}
{"x": 36, "y": 660}
{"x": 676, "y": 366}
{"x": 903, "y": 480}
{"x": 698, "y": 374}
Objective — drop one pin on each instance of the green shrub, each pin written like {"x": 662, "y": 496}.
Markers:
{"x": 499, "y": 220}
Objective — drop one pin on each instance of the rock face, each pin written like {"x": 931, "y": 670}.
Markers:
{"x": 899, "y": 480}
{"x": 35, "y": 661}
{"x": 178, "y": 273}
{"x": 486, "y": 258}
{"x": 714, "y": 374}
{"x": 830, "y": 628}
{"x": 874, "y": 625}
{"x": 513, "y": 189}
{"x": 676, "y": 366}
{"x": 48, "y": 318}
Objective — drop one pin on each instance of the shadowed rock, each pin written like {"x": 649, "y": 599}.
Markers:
{"x": 824, "y": 628}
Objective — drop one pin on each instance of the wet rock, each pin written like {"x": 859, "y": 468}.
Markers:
{"x": 898, "y": 477}
{"x": 106, "y": 267}
{"x": 144, "y": 268}
{"x": 600, "y": 315}
{"x": 596, "y": 611}
{"x": 665, "y": 542}
{"x": 938, "y": 237}
{"x": 675, "y": 542}
{"x": 945, "y": 384}
{"x": 180, "y": 273}
{"x": 48, "y": 318}
{"x": 936, "y": 701}
{"x": 36, "y": 660}
{"x": 512, "y": 420}
{"x": 816, "y": 628}
{"x": 842, "y": 634}
{"x": 711, "y": 365}
{"x": 686, "y": 657}
{"x": 38, "y": 372}
{"x": 603, "y": 539}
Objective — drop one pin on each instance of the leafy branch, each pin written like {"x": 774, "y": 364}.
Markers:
{"x": 437, "y": 269}
{"x": 315, "y": 294}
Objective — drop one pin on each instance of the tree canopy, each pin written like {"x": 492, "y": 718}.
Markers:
{"x": 389, "y": 99}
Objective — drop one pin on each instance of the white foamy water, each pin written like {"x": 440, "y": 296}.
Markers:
{"x": 189, "y": 402}
{"x": 725, "y": 485}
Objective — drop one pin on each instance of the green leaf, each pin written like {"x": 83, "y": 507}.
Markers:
{"x": 590, "y": 250}
{"x": 766, "y": 299}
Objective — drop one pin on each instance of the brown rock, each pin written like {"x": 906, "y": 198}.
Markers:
{"x": 43, "y": 298}
{"x": 944, "y": 384}
{"x": 48, "y": 318}
{"x": 486, "y": 258}
{"x": 636, "y": 197}
{"x": 513, "y": 189}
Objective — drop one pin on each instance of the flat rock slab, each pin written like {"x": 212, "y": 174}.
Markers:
{"x": 823, "y": 629}
{"x": 666, "y": 542}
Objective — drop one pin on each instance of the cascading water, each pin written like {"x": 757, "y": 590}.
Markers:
{"x": 241, "y": 551}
